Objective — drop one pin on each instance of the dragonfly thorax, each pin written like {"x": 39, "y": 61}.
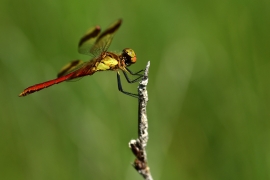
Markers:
{"x": 129, "y": 56}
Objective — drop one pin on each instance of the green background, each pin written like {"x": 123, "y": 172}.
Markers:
{"x": 208, "y": 87}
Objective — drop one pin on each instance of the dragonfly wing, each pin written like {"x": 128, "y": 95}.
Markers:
{"x": 88, "y": 40}
{"x": 94, "y": 43}
{"x": 71, "y": 67}
{"x": 104, "y": 40}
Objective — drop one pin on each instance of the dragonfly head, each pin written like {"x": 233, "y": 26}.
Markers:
{"x": 129, "y": 56}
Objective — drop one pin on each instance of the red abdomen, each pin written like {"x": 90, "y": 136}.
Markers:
{"x": 38, "y": 87}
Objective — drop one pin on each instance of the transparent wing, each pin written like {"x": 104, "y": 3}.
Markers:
{"x": 71, "y": 67}
{"x": 88, "y": 40}
{"x": 104, "y": 40}
{"x": 94, "y": 43}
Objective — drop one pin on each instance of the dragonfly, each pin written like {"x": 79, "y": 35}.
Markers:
{"x": 95, "y": 44}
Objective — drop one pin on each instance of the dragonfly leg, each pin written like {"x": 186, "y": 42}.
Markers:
{"x": 136, "y": 73}
{"x": 121, "y": 89}
{"x": 134, "y": 80}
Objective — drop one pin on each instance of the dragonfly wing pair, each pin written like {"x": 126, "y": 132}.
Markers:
{"x": 92, "y": 43}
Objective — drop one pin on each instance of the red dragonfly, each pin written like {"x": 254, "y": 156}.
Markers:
{"x": 95, "y": 44}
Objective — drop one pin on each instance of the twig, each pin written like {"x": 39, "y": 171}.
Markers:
{"x": 138, "y": 146}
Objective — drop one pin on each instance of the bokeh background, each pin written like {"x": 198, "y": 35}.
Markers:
{"x": 209, "y": 90}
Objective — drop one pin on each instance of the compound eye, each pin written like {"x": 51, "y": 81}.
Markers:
{"x": 130, "y": 56}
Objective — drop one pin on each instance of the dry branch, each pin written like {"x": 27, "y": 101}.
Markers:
{"x": 138, "y": 146}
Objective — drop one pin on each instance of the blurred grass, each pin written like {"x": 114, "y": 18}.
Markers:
{"x": 208, "y": 89}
